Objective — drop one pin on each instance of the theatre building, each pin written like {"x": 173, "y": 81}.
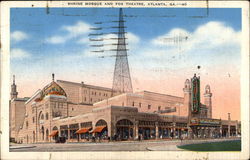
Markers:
{"x": 79, "y": 112}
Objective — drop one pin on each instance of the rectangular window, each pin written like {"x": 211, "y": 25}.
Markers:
{"x": 140, "y": 104}
{"x": 159, "y": 108}
{"x": 149, "y": 106}
{"x": 133, "y": 104}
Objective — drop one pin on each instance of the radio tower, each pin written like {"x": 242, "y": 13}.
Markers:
{"x": 121, "y": 79}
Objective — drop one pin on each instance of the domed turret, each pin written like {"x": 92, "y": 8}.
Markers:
{"x": 207, "y": 89}
{"x": 208, "y": 101}
{"x": 51, "y": 89}
{"x": 187, "y": 83}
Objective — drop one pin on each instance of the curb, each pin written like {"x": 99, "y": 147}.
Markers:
{"x": 20, "y": 147}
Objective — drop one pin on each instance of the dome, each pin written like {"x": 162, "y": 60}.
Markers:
{"x": 52, "y": 89}
{"x": 187, "y": 83}
{"x": 207, "y": 89}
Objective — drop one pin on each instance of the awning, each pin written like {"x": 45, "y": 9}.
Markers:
{"x": 83, "y": 130}
{"x": 53, "y": 133}
{"x": 98, "y": 129}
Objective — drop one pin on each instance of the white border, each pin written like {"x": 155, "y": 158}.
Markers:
{"x": 5, "y": 86}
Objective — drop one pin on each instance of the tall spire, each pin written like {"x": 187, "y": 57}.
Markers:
{"x": 121, "y": 80}
{"x": 13, "y": 93}
{"x": 53, "y": 77}
{"x": 13, "y": 79}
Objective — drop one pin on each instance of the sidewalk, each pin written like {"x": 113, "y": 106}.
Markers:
{"x": 21, "y": 146}
{"x": 165, "y": 148}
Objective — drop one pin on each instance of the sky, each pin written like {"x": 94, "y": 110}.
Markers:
{"x": 166, "y": 46}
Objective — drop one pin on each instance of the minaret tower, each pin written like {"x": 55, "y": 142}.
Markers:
{"x": 187, "y": 97}
{"x": 208, "y": 101}
{"x": 13, "y": 93}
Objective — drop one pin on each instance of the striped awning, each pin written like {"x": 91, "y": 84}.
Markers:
{"x": 98, "y": 129}
{"x": 53, "y": 133}
{"x": 83, "y": 130}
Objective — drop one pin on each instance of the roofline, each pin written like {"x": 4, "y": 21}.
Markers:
{"x": 86, "y": 85}
{"x": 33, "y": 96}
{"x": 160, "y": 94}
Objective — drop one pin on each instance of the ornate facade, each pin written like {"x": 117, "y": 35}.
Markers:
{"x": 78, "y": 112}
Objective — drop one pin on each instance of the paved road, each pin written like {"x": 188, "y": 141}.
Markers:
{"x": 111, "y": 146}
{"x": 167, "y": 145}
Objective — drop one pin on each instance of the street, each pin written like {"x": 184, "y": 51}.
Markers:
{"x": 164, "y": 145}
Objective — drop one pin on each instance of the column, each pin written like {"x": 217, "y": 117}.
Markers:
{"x": 135, "y": 130}
{"x": 109, "y": 130}
{"x": 174, "y": 129}
{"x": 68, "y": 134}
{"x": 156, "y": 130}
{"x": 190, "y": 133}
{"x": 229, "y": 130}
{"x": 220, "y": 131}
{"x": 236, "y": 128}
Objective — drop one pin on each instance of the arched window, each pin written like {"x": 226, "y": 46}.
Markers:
{"x": 27, "y": 124}
{"x": 47, "y": 134}
{"x": 42, "y": 117}
{"x": 101, "y": 123}
{"x": 47, "y": 116}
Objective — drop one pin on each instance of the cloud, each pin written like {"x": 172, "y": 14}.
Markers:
{"x": 207, "y": 36}
{"x": 56, "y": 39}
{"x": 169, "y": 39}
{"x": 17, "y": 53}
{"x": 18, "y": 36}
{"x": 76, "y": 30}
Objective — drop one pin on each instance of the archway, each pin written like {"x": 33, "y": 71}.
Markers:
{"x": 54, "y": 133}
{"x": 33, "y": 136}
{"x": 27, "y": 138}
{"x": 47, "y": 135}
{"x": 101, "y": 130}
{"x": 42, "y": 131}
{"x": 124, "y": 129}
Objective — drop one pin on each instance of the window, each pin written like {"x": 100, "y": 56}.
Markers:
{"x": 133, "y": 104}
{"x": 85, "y": 98}
{"x": 27, "y": 124}
{"x": 159, "y": 108}
{"x": 33, "y": 119}
{"x": 149, "y": 106}
{"x": 90, "y": 99}
{"x": 47, "y": 116}
{"x": 140, "y": 104}
{"x": 95, "y": 93}
{"x": 99, "y": 93}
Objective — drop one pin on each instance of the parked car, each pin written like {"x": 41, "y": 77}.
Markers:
{"x": 61, "y": 140}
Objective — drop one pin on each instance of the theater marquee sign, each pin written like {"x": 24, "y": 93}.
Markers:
{"x": 208, "y": 122}
{"x": 195, "y": 94}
